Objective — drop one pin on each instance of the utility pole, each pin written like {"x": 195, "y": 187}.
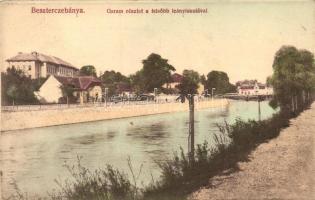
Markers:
{"x": 191, "y": 139}
{"x": 155, "y": 94}
{"x": 212, "y": 93}
{"x": 259, "y": 112}
{"x": 106, "y": 92}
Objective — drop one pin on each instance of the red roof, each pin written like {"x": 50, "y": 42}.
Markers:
{"x": 80, "y": 82}
{"x": 176, "y": 78}
{"x": 246, "y": 87}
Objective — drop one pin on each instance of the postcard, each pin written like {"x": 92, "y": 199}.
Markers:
{"x": 154, "y": 100}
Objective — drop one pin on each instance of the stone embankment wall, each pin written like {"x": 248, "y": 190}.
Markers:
{"x": 41, "y": 118}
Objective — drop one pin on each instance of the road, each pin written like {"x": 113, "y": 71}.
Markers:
{"x": 283, "y": 168}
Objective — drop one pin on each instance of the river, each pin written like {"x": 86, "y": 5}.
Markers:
{"x": 34, "y": 158}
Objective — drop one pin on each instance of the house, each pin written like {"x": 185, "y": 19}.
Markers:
{"x": 36, "y": 65}
{"x": 175, "y": 81}
{"x": 253, "y": 87}
{"x": 85, "y": 89}
{"x": 123, "y": 89}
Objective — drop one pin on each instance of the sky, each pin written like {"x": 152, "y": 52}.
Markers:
{"x": 238, "y": 37}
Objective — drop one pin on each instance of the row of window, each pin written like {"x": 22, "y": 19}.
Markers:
{"x": 23, "y": 67}
{"x": 60, "y": 70}
{"x": 51, "y": 69}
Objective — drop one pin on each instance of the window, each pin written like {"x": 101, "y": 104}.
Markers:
{"x": 29, "y": 67}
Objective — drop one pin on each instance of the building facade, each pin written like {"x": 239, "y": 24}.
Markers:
{"x": 37, "y": 65}
{"x": 253, "y": 87}
{"x": 85, "y": 89}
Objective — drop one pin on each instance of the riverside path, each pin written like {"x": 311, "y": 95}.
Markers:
{"x": 283, "y": 168}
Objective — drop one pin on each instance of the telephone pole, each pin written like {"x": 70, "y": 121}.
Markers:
{"x": 259, "y": 112}
{"x": 191, "y": 139}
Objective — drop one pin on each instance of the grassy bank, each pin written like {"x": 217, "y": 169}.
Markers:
{"x": 181, "y": 175}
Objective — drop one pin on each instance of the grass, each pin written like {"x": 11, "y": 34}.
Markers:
{"x": 105, "y": 184}
{"x": 182, "y": 174}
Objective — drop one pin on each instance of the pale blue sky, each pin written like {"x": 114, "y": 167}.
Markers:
{"x": 239, "y": 38}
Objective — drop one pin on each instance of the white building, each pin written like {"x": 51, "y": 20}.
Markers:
{"x": 250, "y": 88}
{"x": 86, "y": 88}
{"x": 36, "y": 65}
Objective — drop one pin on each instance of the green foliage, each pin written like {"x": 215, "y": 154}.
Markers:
{"x": 190, "y": 81}
{"x": 17, "y": 88}
{"x": 137, "y": 82}
{"x": 220, "y": 81}
{"x": 156, "y": 71}
{"x": 203, "y": 80}
{"x": 88, "y": 70}
{"x": 67, "y": 90}
{"x": 293, "y": 78}
{"x": 181, "y": 176}
{"x": 106, "y": 184}
{"x": 37, "y": 83}
{"x": 112, "y": 79}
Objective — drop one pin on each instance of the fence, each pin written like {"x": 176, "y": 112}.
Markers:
{"x": 17, "y": 108}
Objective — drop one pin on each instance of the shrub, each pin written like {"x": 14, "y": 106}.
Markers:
{"x": 106, "y": 184}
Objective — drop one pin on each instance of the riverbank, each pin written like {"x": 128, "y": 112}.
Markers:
{"x": 42, "y": 118}
{"x": 283, "y": 168}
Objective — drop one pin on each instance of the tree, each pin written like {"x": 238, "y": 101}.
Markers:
{"x": 188, "y": 88}
{"x": 189, "y": 83}
{"x": 16, "y": 87}
{"x": 220, "y": 81}
{"x": 293, "y": 78}
{"x": 137, "y": 82}
{"x": 203, "y": 79}
{"x": 156, "y": 71}
{"x": 111, "y": 79}
{"x": 67, "y": 92}
{"x": 88, "y": 70}
{"x": 12, "y": 93}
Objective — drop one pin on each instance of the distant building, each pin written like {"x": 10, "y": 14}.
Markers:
{"x": 175, "y": 81}
{"x": 253, "y": 87}
{"x": 123, "y": 89}
{"x": 86, "y": 88}
{"x": 36, "y": 65}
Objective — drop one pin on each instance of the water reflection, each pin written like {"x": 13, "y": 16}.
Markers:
{"x": 35, "y": 157}
{"x": 90, "y": 139}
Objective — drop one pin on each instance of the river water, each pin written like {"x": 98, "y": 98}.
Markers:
{"x": 34, "y": 158}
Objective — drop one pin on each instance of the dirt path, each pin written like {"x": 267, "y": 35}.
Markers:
{"x": 284, "y": 168}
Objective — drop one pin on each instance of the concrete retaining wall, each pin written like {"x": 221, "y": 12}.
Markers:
{"x": 42, "y": 118}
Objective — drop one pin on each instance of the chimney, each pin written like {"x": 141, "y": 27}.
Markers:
{"x": 34, "y": 53}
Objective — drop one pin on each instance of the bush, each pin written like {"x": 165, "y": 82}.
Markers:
{"x": 106, "y": 184}
{"x": 181, "y": 175}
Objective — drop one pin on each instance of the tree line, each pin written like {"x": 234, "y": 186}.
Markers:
{"x": 156, "y": 72}
{"x": 293, "y": 79}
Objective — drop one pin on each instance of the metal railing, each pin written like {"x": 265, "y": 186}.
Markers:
{"x": 108, "y": 105}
